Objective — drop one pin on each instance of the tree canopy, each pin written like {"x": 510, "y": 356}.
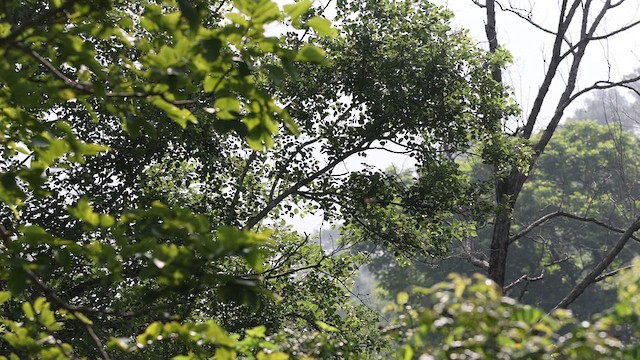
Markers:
{"x": 151, "y": 150}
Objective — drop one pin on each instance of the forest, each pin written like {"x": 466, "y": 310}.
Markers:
{"x": 155, "y": 155}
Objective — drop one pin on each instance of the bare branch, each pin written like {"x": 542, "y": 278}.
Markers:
{"x": 611, "y": 273}
{"x": 51, "y": 295}
{"x": 97, "y": 341}
{"x": 543, "y": 220}
{"x": 471, "y": 258}
{"x": 587, "y": 32}
{"x": 479, "y": 263}
{"x": 492, "y": 36}
{"x": 608, "y": 35}
{"x": 556, "y": 262}
{"x": 528, "y": 18}
{"x": 603, "y": 85}
{"x": 522, "y": 278}
{"x": 564, "y": 21}
{"x": 254, "y": 220}
{"x": 597, "y": 271}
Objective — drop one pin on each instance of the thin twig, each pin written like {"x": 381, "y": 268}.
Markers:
{"x": 555, "y": 214}
{"x": 611, "y": 273}
{"x": 598, "y": 269}
{"x": 522, "y": 278}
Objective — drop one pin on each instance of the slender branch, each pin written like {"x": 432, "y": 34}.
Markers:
{"x": 611, "y": 273}
{"x": 97, "y": 341}
{"x": 564, "y": 21}
{"x": 587, "y": 31}
{"x": 284, "y": 258}
{"x": 473, "y": 260}
{"x": 479, "y": 263}
{"x": 556, "y": 262}
{"x": 5, "y": 235}
{"x": 306, "y": 31}
{"x": 254, "y": 220}
{"x": 51, "y": 295}
{"x": 597, "y": 271}
{"x": 293, "y": 271}
{"x": 541, "y": 221}
{"x": 492, "y": 36}
{"x": 231, "y": 215}
{"x": 608, "y": 35}
{"x": 289, "y": 160}
{"x": 522, "y": 278}
{"x": 84, "y": 87}
{"x": 603, "y": 85}
{"x": 88, "y": 89}
{"x": 526, "y": 18}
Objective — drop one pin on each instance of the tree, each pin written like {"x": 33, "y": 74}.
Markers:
{"x": 108, "y": 263}
{"x": 568, "y": 217}
{"x": 569, "y": 49}
{"x": 113, "y": 112}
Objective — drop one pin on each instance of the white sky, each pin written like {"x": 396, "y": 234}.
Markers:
{"x": 529, "y": 46}
{"x": 609, "y": 60}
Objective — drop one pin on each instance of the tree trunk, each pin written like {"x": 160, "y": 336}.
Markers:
{"x": 501, "y": 230}
{"x": 507, "y": 191}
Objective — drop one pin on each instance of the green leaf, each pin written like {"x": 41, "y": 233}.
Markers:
{"x": 84, "y": 211}
{"x": 190, "y": 13}
{"x": 326, "y": 327}
{"x": 4, "y": 296}
{"x": 322, "y": 26}
{"x": 82, "y": 317}
{"x": 227, "y": 108}
{"x": 238, "y": 19}
{"x": 181, "y": 116}
{"x": 257, "y": 332}
{"x": 406, "y": 352}
{"x": 402, "y": 298}
{"x": 298, "y": 9}
{"x": 211, "y": 49}
{"x": 28, "y": 311}
{"x": 125, "y": 23}
{"x": 17, "y": 281}
{"x": 310, "y": 53}
{"x": 67, "y": 94}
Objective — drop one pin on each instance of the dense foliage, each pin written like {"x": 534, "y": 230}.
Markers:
{"x": 148, "y": 162}
{"x": 578, "y": 209}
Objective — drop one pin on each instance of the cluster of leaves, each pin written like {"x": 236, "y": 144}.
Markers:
{"x": 106, "y": 116}
{"x": 83, "y": 276}
{"x": 400, "y": 79}
{"x": 471, "y": 319}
